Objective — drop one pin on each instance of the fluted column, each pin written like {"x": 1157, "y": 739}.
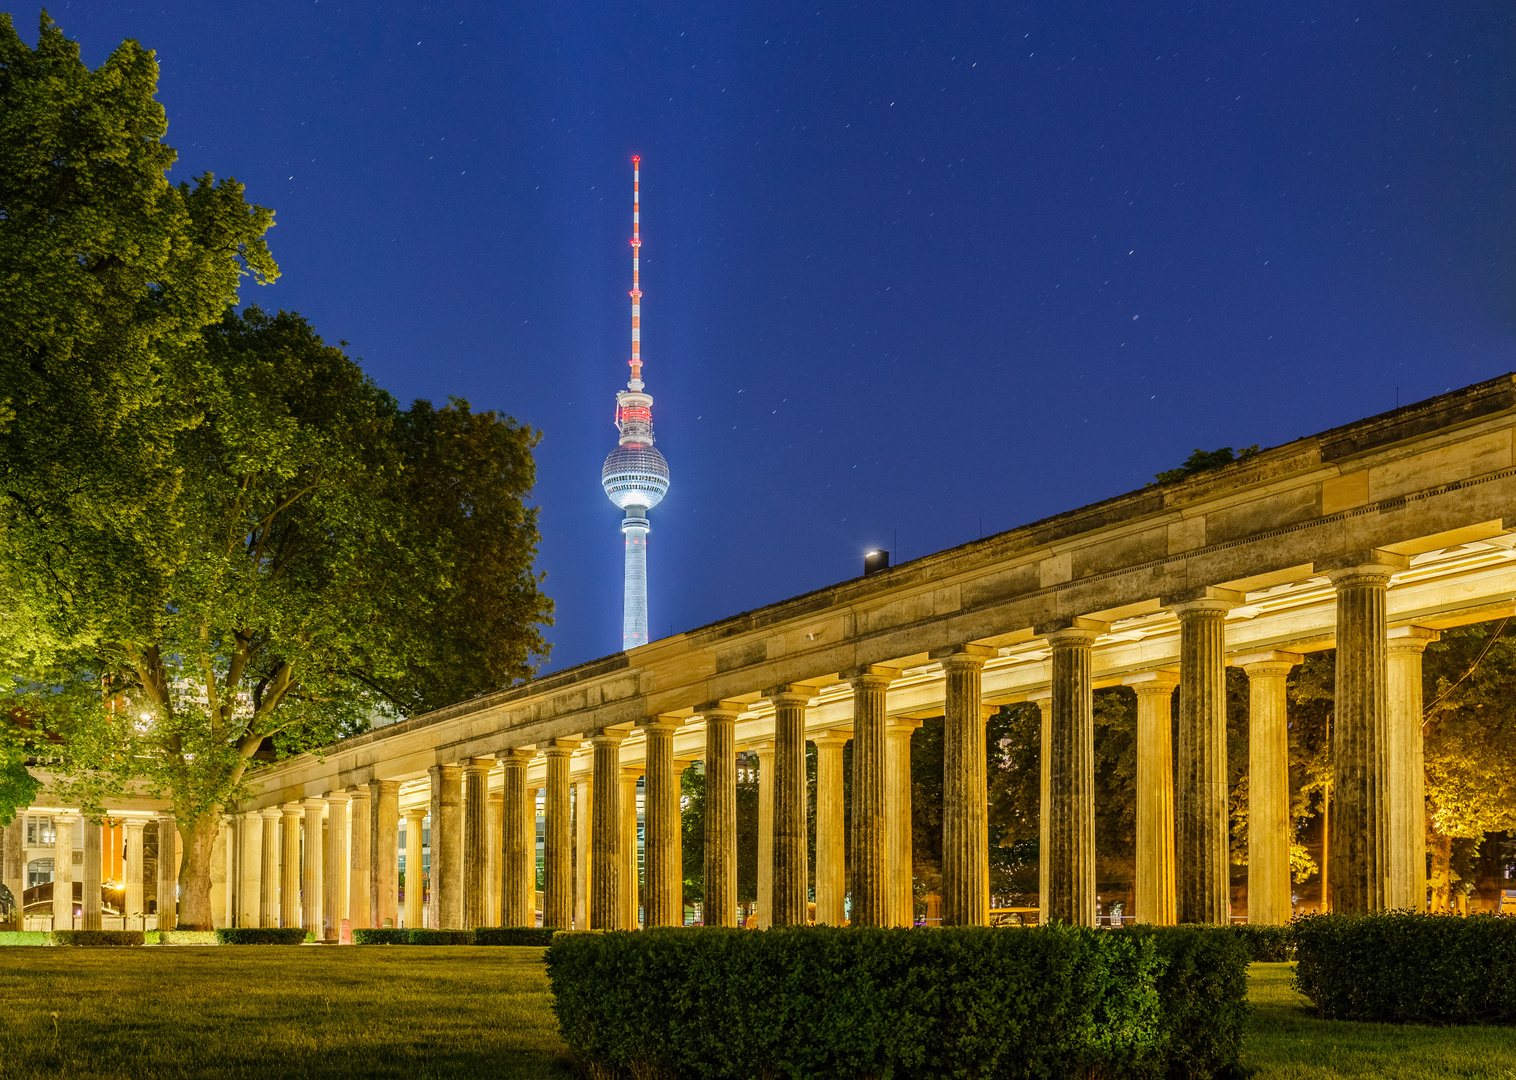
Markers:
{"x": 558, "y": 854}
{"x": 1044, "y": 703}
{"x": 660, "y": 824}
{"x": 871, "y": 836}
{"x": 168, "y": 873}
{"x": 268, "y": 878}
{"x": 94, "y": 851}
{"x": 1405, "y": 766}
{"x": 1071, "y": 777}
{"x": 1155, "y": 796}
{"x": 384, "y": 853}
{"x": 518, "y": 850}
{"x": 475, "y": 841}
{"x": 791, "y": 870}
{"x": 360, "y": 908}
{"x": 1359, "y": 862}
{"x": 676, "y": 867}
{"x": 965, "y": 792}
{"x": 63, "y": 870}
{"x": 13, "y": 857}
{"x": 831, "y": 849}
{"x": 630, "y": 893}
{"x": 720, "y": 813}
{"x": 415, "y": 867}
{"x": 765, "y": 901}
{"x": 606, "y": 908}
{"x": 312, "y": 860}
{"x": 224, "y": 855}
{"x": 493, "y": 842}
{"x": 584, "y": 818}
{"x": 289, "y": 866}
{"x": 902, "y": 868}
{"x": 132, "y": 870}
{"x": 1269, "y": 830}
{"x": 1203, "y": 864}
{"x": 446, "y": 907}
{"x": 339, "y": 858}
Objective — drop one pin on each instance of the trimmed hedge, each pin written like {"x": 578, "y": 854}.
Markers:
{"x": 514, "y": 935}
{"x": 188, "y": 937}
{"x": 441, "y": 937}
{"x": 855, "y": 1002}
{"x": 96, "y": 938}
{"x": 1405, "y": 967}
{"x": 1267, "y": 944}
{"x": 399, "y": 935}
{"x": 1202, "y": 993}
{"x": 382, "y": 935}
{"x": 262, "y": 935}
{"x": 25, "y": 937}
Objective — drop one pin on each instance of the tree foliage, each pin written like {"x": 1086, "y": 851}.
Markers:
{"x": 1201, "y": 460}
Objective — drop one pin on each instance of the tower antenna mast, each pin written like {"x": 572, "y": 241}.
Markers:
{"x": 635, "y": 476}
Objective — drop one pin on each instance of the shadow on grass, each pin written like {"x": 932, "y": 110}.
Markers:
{"x": 1286, "y": 1041}
{"x": 277, "y": 1012}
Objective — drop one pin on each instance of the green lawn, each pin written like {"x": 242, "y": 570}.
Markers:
{"x": 271, "y": 1013}
{"x": 1286, "y": 1042}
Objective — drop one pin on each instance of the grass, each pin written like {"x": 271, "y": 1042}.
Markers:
{"x": 421, "y": 1013}
{"x": 1286, "y": 1041}
{"x": 274, "y": 1012}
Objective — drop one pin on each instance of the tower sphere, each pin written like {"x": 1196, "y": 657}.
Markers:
{"x": 635, "y": 474}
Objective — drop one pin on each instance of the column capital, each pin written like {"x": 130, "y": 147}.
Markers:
{"x": 662, "y": 724}
{"x": 340, "y": 795}
{"x": 1370, "y": 567}
{"x": 477, "y": 765}
{"x": 832, "y": 737}
{"x": 137, "y": 824}
{"x": 724, "y": 710}
{"x": 1204, "y": 598}
{"x": 1267, "y": 662}
{"x": 608, "y": 737}
{"x": 968, "y": 655}
{"x": 791, "y": 694}
{"x": 897, "y": 724}
{"x": 68, "y": 815}
{"x": 1074, "y": 629}
{"x": 1160, "y": 681}
{"x": 358, "y": 791}
{"x": 312, "y": 802}
{"x": 631, "y": 772}
{"x": 414, "y": 813}
{"x": 291, "y": 808}
{"x": 444, "y": 766}
{"x": 1069, "y": 637}
{"x": 269, "y": 813}
{"x": 1410, "y": 638}
{"x": 518, "y": 757}
{"x": 869, "y": 676}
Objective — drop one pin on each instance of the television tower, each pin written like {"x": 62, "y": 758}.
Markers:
{"x": 635, "y": 476}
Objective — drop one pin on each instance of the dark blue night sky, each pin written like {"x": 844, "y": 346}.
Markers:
{"x": 911, "y": 270}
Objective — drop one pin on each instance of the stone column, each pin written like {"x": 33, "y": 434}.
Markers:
{"x": 676, "y": 867}
{"x": 661, "y": 825}
{"x": 584, "y": 817}
{"x": 518, "y": 844}
{"x": 872, "y": 897}
{"x": 289, "y": 866}
{"x": 63, "y": 870}
{"x": 384, "y": 853}
{"x": 445, "y": 912}
{"x": 94, "y": 852}
{"x": 1203, "y": 864}
{"x": 475, "y": 842}
{"x": 606, "y": 909}
{"x": 339, "y": 859}
{"x": 535, "y": 899}
{"x": 13, "y": 858}
{"x": 1359, "y": 864}
{"x": 493, "y": 842}
{"x": 1044, "y": 702}
{"x": 360, "y": 858}
{"x": 415, "y": 868}
{"x": 312, "y": 888}
{"x": 765, "y": 902}
{"x": 1269, "y": 901}
{"x": 1405, "y": 767}
{"x": 721, "y": 812}
{"x": 268, "y": 877}
{"x": 630, "y": 899}
{"x": 558, "y": 854}
{"x": 1155, "y": 796}
{"x": 965, "y": 792}
{"x": 902, "y": 868}
{"x": 132, "y": 871}
{"x": 1071, "y": 776}
{"x": 168, "y": 873}
{"x": 831, "y": 850}
{"x": 791, "y": 892}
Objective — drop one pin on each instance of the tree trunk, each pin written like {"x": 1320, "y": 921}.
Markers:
{"x": 197, "y": 836}
{"x": 1442, "y": 870}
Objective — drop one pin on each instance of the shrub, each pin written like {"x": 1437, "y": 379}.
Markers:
{"x": 152, "y": 937}
{"x": 261, "y": 935}
{"x": 1203, "y": 994}
{"x": 1267, "y": 944}
{"x": 97, "y": 938}
{"x": 440, "y": 937}
{"x": 1405, "y": 967}
{"x": 845, "y": 1003}
{"x": 25, "y": 937}
{"x": 188, "y": 937}
{"x": 514, "y": 935}
{"x": 382, "y": 935}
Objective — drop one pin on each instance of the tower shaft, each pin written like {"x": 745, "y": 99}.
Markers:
{"x": 634, "y": 614}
